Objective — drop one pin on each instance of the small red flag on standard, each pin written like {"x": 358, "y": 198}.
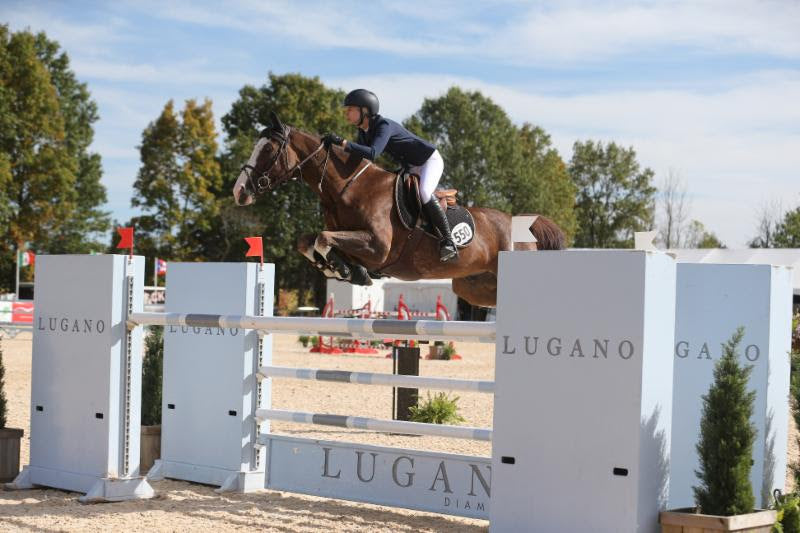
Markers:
{"x": 125, "y": 238}
{"x": 161, "y": 269}
{"x": 256, "y": 247}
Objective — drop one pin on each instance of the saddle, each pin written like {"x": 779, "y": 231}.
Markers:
{"x": 409, "y": 209}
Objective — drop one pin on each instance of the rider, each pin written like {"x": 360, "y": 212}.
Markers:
{"x": 377, "y": 134}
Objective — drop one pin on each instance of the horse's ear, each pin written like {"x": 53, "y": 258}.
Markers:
{"x": 276, "y": 122}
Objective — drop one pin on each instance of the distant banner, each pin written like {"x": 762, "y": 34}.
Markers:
{"x": 22, "y": 312}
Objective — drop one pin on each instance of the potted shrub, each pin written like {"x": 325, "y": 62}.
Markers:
{"x": 441, "y": 409}
{"x": 9, "y": 437}
{"x": 435, "y": 349}
{"x": 304, "y": 339}
{"x": 152, "y": 371}
{"x": 724, "y": 498}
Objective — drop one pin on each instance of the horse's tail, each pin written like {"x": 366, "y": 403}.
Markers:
{"x": 548, "y": 235}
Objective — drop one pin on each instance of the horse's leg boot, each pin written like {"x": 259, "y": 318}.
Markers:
{"x": 360, "y": 276}
{"x": 447, "y": 248}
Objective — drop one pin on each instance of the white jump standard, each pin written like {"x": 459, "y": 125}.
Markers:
{"x": 583, "y": 391}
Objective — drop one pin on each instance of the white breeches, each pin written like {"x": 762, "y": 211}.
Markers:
{"x": 430, "y": 173}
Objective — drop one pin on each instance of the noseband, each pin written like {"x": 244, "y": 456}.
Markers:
{"x": 266, "y": 182}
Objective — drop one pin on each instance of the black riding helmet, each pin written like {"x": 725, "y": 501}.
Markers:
{"x": 363, "y": 98}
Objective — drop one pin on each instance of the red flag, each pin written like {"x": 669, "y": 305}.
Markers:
{"x": 256, "y": 248}
{"x": 161, "y": 268}
{"x": 125, "y": 238}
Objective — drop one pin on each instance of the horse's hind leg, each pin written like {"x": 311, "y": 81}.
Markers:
{"x": 479, "y": 289}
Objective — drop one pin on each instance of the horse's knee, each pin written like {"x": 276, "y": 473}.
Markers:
{"x": 305, "y": 245}
{"x": 380, "y": 250}
{"x": 322, "y": 244}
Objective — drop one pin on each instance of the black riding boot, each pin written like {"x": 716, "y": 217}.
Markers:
{"x": 447, "y": 248}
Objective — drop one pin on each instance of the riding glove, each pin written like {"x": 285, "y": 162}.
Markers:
{"x": 332, "y": 139}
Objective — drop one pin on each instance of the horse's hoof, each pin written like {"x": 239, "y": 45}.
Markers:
{"x": 360, "y": 276}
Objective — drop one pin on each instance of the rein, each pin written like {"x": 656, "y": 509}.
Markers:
{"x": 265, "y": 182}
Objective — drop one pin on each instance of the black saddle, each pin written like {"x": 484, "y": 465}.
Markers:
{"x": 409, "y": 209}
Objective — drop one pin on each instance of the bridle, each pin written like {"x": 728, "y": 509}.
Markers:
{"x": 266, "y": 182}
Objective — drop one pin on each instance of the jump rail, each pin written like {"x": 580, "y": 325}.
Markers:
{"x": 370, "y": 378}
{"x": 373, "y": 424}
{"x": 343, "y": 327}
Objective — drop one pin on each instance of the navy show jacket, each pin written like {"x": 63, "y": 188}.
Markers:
{"x": 386, "y": 135}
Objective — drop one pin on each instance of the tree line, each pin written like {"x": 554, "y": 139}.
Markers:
{"x": 52, "y": 199}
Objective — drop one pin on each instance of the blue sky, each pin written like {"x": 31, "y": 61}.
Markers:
{"x": 707, "y": 90}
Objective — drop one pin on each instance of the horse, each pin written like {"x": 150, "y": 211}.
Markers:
{"x": 364, "y": 235}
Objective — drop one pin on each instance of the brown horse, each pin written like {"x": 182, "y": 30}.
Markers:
{"x": 363, "y": 233}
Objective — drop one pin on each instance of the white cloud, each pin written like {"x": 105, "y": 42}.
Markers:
{"x": 586, "y": 32}
{"x": 565, "y": 32}
{"x": 174, "y": 73}
{"x": 78, "y": 38}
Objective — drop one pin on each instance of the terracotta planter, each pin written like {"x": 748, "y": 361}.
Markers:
{"x": 9, "y": 453}
{"x": 149, "y": 447}
{"x": 687, "y": 521}
{"x": 435, "y": 351}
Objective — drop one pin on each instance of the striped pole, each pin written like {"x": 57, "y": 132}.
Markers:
{"x": 370, "y": 378}
{"x": 340, "y": 327}
{"x": 375, "y": 424}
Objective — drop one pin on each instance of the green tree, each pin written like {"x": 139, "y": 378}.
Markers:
{"x": 178, "y": 183}
{"x": 50, "y": 190}
{"x": 615, "y": 197}
{"x": 787, "y": 232}
{"x": 492, "y": 162}
{"x": 725, "y": 447}
{"x": 478, "y": 143}
{"x": 82, "y": 230}
{"x": 37, "y": 170}
{"x": 292, "y": 210}
{"x": 546, "y": 186}
{"x": 698, "y": 237}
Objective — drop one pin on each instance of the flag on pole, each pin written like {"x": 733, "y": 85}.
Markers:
{"x": 256, "y": 248}
{"x": 161, "y": 267}
{"x": 26, "y": 258}
{"x": 125, "y": 238}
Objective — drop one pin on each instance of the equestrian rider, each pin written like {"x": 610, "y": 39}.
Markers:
{"x": 377, "y": 134}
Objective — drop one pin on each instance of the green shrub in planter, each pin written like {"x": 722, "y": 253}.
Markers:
{"x": 725, "y": 448}
{"x": 441, "y": 409}
{"x": 448, "y": 351}
{"x": 304, "y": 340}
{"x": 152, "y": 371}
{"x": 3, "y": 403}
{"x": 788, "y": 507}
{"x": 794, "y": 397}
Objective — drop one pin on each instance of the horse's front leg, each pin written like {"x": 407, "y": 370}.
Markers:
{"x": 360, "y": 245}
{"x": 305, "y": 245}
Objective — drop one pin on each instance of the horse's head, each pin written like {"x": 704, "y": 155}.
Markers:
{"x": 268, "y": 165}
